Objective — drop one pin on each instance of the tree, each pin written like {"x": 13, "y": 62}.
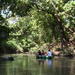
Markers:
{"x": 35, "y": 22}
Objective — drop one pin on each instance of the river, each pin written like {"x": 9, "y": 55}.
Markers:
{"x": 29, "y": 65}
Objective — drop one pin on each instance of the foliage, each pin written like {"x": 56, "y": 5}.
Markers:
{"x": 32, "y": 23}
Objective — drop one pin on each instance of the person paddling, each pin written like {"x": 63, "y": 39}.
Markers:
{"x": 39, "y": 53}
{"x": 49, "y": 54}
{"x": 43, "y": 53}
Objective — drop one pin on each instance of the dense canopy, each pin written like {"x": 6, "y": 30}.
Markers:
{"x": 30, "y": 25}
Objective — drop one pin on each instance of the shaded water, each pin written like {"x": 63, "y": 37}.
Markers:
{"x": 28, "y": 65}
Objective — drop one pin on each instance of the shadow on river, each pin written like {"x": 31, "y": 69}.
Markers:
{"x": 29, "y": 65}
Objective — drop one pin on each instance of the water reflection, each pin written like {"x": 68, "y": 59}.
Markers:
{"x": 44, "y": 61}
{"x": 41, "y": 61}
{"x": 27, "y": 65}
{"x": 49, "y": 63}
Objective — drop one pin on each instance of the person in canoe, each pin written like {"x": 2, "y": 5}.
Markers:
{"x": 49, "y": 54}
{"x": 43, "y": 54}
{"x": 39, "y": 54}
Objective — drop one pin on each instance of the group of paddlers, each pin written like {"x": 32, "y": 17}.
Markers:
{"x": 41, "y": 54}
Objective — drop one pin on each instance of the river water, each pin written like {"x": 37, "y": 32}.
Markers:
{"x": 29, "y": 65}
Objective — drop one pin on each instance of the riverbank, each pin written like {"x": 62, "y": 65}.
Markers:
{"x": 34, "y": 55}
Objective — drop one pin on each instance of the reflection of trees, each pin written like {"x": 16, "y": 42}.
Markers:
{"x": 20, "y": 66}
{"x": 25, "y": 65}
{"x": 27, "y": 70}
{"x": 72, "y": 67}
{"x": 63, "y": 67}
{"x": 3, "y": 68}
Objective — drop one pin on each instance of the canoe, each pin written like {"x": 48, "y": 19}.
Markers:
{"x": 44, "y": 57}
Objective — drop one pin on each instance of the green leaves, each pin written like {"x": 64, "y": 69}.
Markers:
{"x": 38, "y": 21}
{"x": 69, "y": 9}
